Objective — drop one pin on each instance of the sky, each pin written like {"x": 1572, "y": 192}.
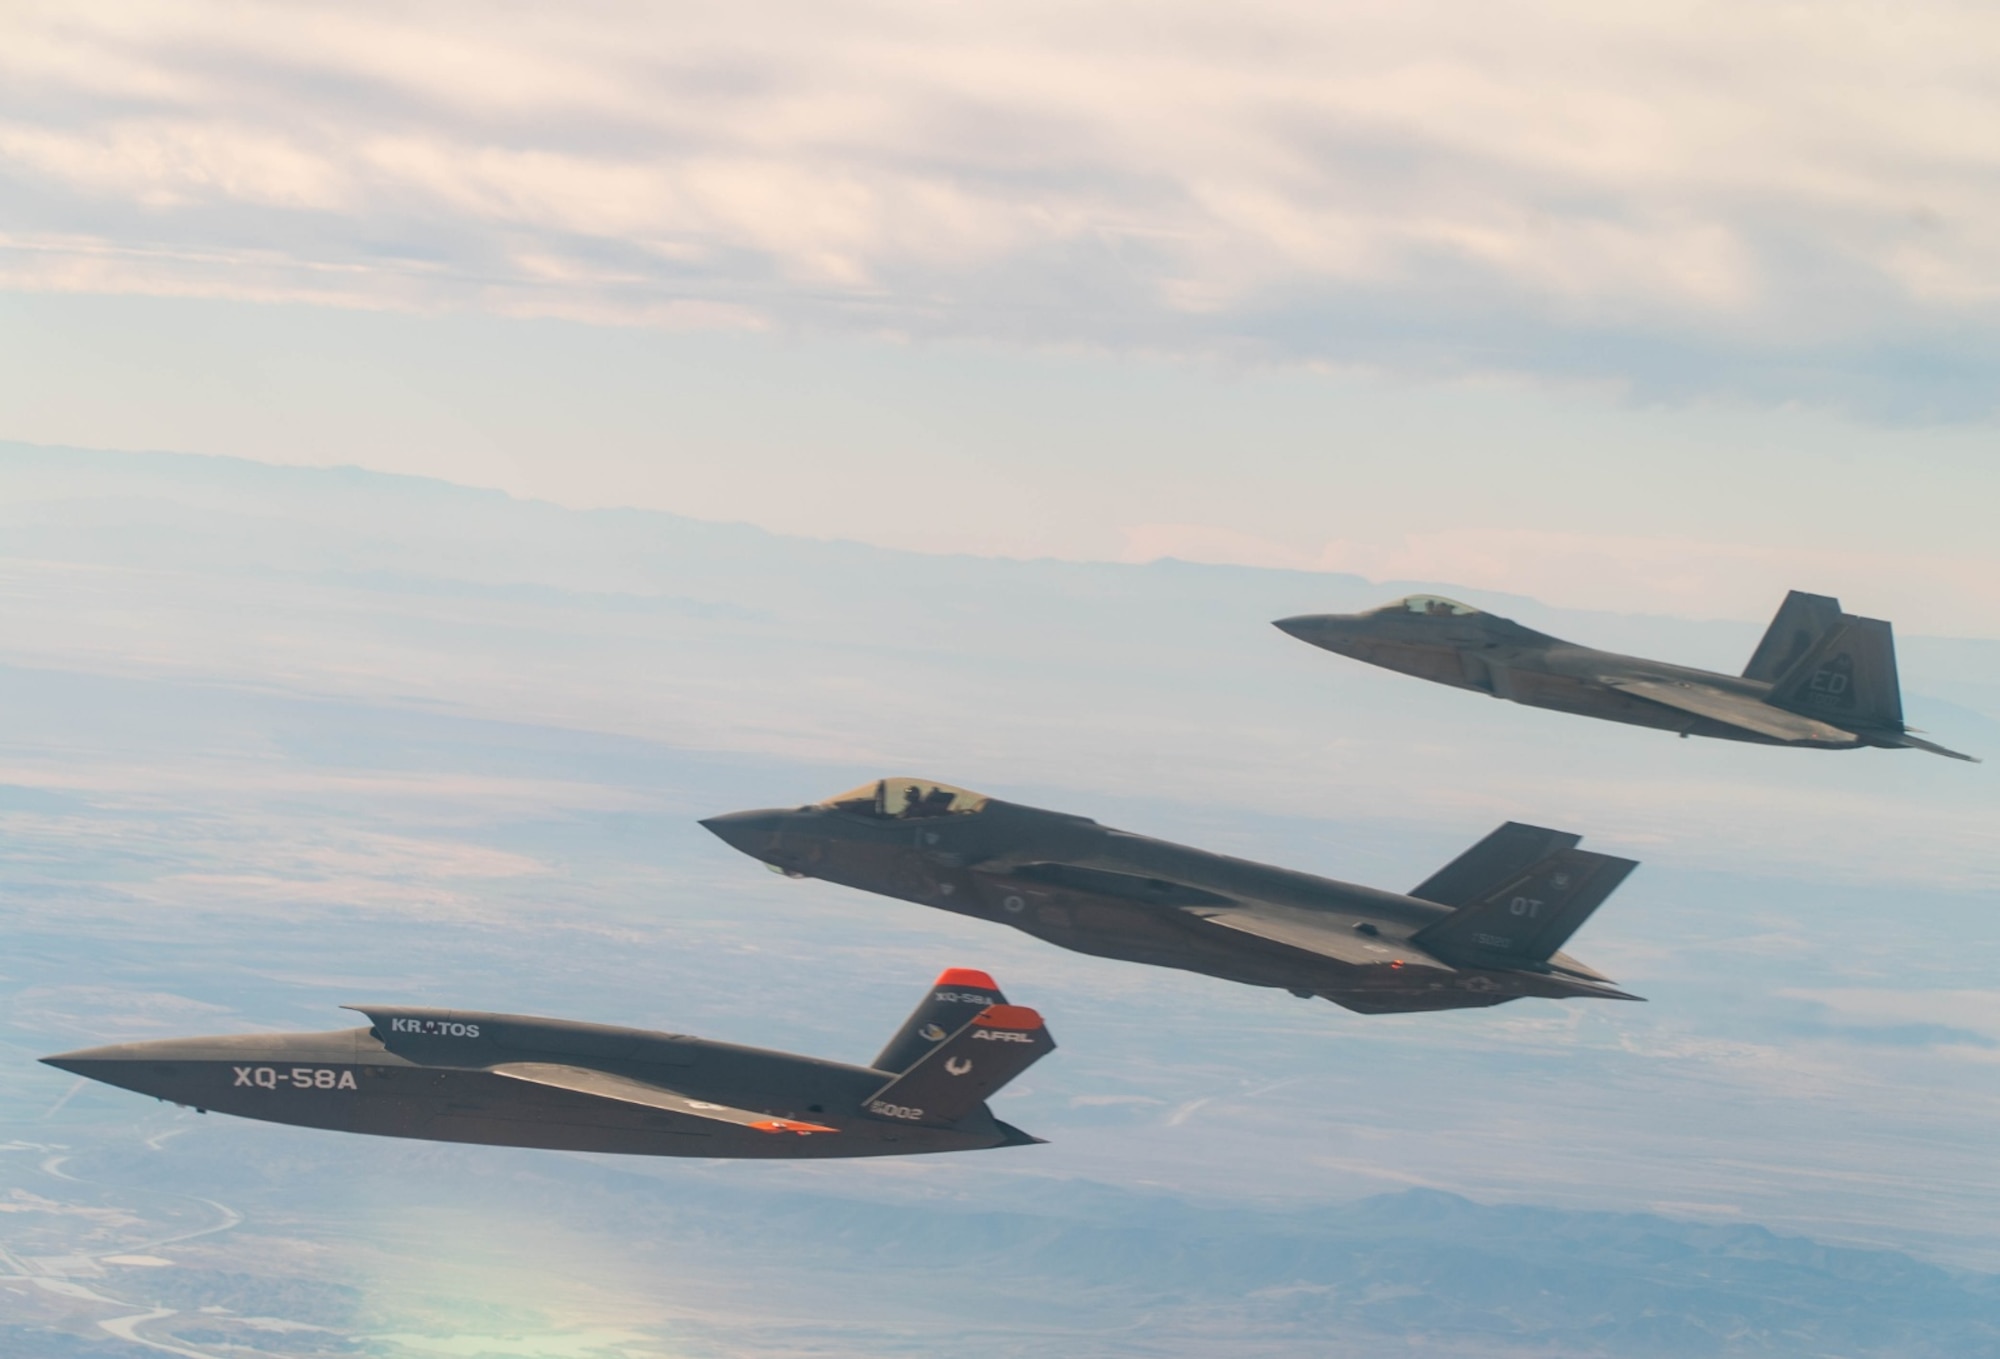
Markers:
{"x": 1619, "y": 320}
{"x": 278, "y": 739}
{"x": 1673, "y": 307}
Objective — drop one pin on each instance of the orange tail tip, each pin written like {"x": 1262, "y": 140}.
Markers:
{"x": 784, "y": 1125}
{"x": 1008, "y": 1017}
{"x": 967, "y": 976}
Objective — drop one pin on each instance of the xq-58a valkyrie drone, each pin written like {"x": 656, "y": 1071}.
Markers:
{"x": 517, "y": 1081}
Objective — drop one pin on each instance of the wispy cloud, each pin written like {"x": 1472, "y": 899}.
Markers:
{"x": 1611, "y": 571}
{"x": 1780, "y": 201}
{"x": 1972, "y": 1016}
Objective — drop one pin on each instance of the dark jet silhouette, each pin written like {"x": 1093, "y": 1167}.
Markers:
{"x": 1819, "y": 678}
{"x": 1484, "y": 929}
{"x": 516, "y": 1081}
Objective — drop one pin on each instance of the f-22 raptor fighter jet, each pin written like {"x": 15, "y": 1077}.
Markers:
{"x": 514, "y": 1081}
{"x": 1484, "y": 929}
{"x": 1819, "y": 678}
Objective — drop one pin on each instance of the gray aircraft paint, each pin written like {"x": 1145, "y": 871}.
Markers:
{"x": 1484, "y": 930}
{"x": 1820, "y": 678}
{"x": 521, "y": 1081}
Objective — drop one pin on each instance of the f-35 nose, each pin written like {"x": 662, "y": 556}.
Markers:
{"x": 749, "y": 832}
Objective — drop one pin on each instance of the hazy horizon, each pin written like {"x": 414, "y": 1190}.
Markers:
{"x": 444, "y": 453}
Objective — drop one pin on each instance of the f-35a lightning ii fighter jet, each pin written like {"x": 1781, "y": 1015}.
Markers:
{"x": 514, "y": 1081}
{"x": 1484, "y": 929}
{"x": 1819, "y": 678}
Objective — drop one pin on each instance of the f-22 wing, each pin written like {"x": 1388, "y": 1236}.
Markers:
{"x": 1325, "y": 935}
{"x": 1735, "y": 710}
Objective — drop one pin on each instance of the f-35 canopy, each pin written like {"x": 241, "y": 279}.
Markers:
{"x": 904, "y": 799}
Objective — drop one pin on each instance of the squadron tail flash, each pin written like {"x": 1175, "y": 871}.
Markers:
{"x": 1847, "y": 678}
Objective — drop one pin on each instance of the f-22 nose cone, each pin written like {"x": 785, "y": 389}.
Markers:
{"x": 1320, "y": 629}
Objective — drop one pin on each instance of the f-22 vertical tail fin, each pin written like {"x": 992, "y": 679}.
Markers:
{"x": 957, "y": 1075}
{"x": 1847, "y": 678}
{"x": 1800, "y": 621}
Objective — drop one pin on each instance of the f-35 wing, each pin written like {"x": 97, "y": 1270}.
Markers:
{"x": 1325, "y": 934}
{"x": 1107, "y": 882}
{"x": 604, "y": 1085}
{"x": 1734, "y": 710}
{"x": 1307, "y": 931}
{"x": 1328, "y": 936}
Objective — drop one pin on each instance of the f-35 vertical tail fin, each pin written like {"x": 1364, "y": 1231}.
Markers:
{"x": 1527, "y": 919}
{"x": 1800, "y": 621}
{"x": 1492, "y": 863}
{"x": 1847, "y": 678}
{"x": 953, "y": 1078}
{"x": 956, "y": 996}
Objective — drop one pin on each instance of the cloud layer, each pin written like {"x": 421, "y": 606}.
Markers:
{"x": 1783, "y": 201}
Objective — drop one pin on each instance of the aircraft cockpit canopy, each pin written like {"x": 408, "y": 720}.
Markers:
{"x": 1431, "y": 606}
{"x": 906, "y": 800}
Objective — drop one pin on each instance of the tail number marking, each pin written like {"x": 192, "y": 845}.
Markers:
{"x": 902, "y": 1111}
{"x": 1530, "y": 907}
{"x": 297, "y": 1078}
{"x": 1832, "y": 685}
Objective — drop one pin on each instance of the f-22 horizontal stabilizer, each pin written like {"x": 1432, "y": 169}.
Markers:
{"x": 957, "y": 1075}
{"x": 1528, "y": 919}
